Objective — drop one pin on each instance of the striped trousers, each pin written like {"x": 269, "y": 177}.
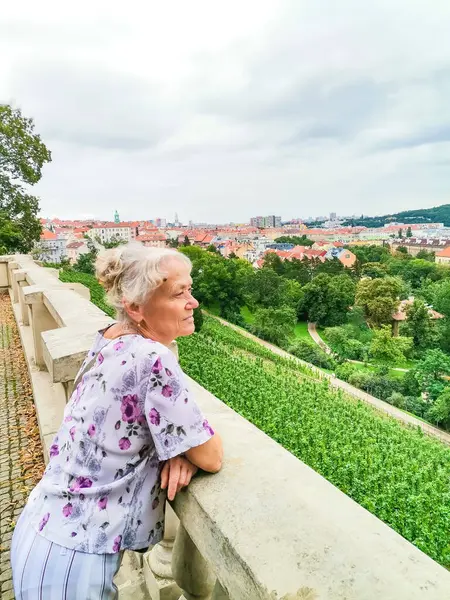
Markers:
{"x": 42, "y": 570}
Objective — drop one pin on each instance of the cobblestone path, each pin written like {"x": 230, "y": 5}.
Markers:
{"x": 21, "y": 460}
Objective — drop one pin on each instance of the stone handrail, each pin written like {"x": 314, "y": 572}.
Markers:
{"x": 265, "y": 527}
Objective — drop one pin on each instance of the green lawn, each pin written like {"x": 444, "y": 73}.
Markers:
{"x": 372, "y": 369}
{"x": 247, "y": 314}
{"x": 301, "y": 331}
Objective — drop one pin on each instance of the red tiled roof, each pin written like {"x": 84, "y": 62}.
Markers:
{"x": 445, "y": 253}
{"x": 75, "y": 245}
{"x": 48, "y": 235}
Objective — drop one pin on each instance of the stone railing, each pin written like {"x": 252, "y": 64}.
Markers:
{"x": 265, "y": 527}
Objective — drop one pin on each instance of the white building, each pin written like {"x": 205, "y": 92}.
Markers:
{"x": 76, "y": 249}
{"x": 50, "y": 247}
{"x": 112, "y": 231}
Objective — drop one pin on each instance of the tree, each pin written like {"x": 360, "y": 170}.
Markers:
{"x": 440, "y": 296}
{"x": 371, "y": 254}
{"x": 212, "y": 248}
{"x": 274, "y": 324}
{"x": 400, "y": 233}
{"x": 388, "y": 349}
{"x": 172, "y": 243}
{"x": 22, "y": 156}
{"x": 114, "y": 242}
{"x": 264, "y": 289}
{"x": 217, "y": 280}
{"x": 413, "y": 270}
{"x": 409, "y": 232}
{"x": 430, "y": 372}
{"x": 379, "y": 299}
{"x": 326, "y": 300}
{"x": 273, "y": 261}
{"x": 419, "y": 326}
{"x": 311, "y": 353}
{"x": 373, "y": 270}
{"x": 86, "y": 262}
{"x": 300, "y": 270}
{"x": 295, "y": 240}
{"x": 426, "y": 255}
{"x": 186, "y": 241}
{"x": 440, "y": 411}
{"x": 198, "y": 319}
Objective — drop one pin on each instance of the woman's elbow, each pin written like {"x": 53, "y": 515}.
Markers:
{"x": 215, "y": 466}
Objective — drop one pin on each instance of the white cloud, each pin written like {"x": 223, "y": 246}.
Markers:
{"x": 219, "y": 111}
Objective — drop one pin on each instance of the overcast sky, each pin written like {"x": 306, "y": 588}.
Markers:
{"x": 223, "y": 110}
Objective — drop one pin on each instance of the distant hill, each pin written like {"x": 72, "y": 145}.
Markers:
{"x": 438, "y": 214}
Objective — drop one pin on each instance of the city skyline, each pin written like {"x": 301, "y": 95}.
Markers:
{"x": 230, "y": 110}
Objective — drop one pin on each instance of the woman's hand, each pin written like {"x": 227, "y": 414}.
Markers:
{"x": 177, "y": 474}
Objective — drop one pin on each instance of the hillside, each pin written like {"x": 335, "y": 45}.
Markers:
{"x": 438, "y": 214}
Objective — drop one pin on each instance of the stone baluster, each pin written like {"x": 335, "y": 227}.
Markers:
{"x": 190, "y": 570}
{"x": 40, "y": 320}
{"x": 158, "y": 563}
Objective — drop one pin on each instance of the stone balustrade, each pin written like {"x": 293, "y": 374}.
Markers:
{"x": 265, "y": 527}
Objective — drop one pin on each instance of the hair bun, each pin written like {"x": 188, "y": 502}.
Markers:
{"x": 109, "y": 267}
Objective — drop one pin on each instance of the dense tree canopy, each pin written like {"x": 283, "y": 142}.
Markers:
{"x": 22, "y": 156}
{"x": 327, "y": 300}
{"x": 379, "y": 299}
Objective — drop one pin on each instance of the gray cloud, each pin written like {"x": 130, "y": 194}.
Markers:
{"x": 95, "y": 107}
{"x": 286, "y": 106}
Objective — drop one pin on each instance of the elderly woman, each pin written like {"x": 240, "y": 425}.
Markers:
{"x": 130, "y": 431}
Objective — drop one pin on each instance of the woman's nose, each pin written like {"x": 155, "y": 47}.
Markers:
{"x": 193, "y": 303}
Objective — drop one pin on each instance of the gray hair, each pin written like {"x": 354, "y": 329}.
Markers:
{"x": 132, "y": 272}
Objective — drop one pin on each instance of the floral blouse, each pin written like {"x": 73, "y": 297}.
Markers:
{"x": 131, "y": 411}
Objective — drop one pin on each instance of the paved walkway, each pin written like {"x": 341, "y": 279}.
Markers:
{"x": 385, "y": 407}
{"x": 21, "y": 460}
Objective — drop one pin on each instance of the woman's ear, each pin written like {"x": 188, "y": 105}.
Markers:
{"x": 133, "y": 311}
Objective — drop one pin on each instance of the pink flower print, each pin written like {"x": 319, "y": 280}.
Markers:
{"x": 168, "y": 373}
{"x": 157, "y": 367}
{"x": 155, "y": 418}
{"x": 130, "y": 408}
{"x": 208, "y": 427}
{"x": 100, "y": 358}
{"x": 141, "y": 420}
{"x": 166, "y": 391}
{"x": 44, "y": 521}
{"x": 102, "y": 503}
{"x": 73, "y": 534}
{"x": 119, "y": 345}
{"x": 79, "y": 483}
{"x": 124, "y": 443}
{"x": 72, "y": 432}
{"x": 91, "y": 430}
{"x": 68, "y": 418}
{"x": 124, "y": 362}
{"x": 117, "y": 543}
{"x": 54, "y": 450}
{"x": 67, "y": 509}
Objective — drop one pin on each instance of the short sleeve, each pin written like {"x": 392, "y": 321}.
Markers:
{"x": 176, "y": 423}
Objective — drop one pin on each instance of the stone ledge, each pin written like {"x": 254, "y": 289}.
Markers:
{"x": 267, "y": 522}
{"x": 49, "y": 398}
{"x": 65, "y": 349}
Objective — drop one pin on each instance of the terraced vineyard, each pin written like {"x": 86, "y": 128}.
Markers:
{"x": 397, "y": 473}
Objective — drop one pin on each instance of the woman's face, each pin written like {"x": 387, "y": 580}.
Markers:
{"x": 168, "y": 314}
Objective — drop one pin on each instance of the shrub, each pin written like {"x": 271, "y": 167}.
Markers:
{"x": 311, "y": 353}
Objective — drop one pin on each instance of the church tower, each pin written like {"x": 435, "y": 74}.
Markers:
{"x": 116, "y": 217}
